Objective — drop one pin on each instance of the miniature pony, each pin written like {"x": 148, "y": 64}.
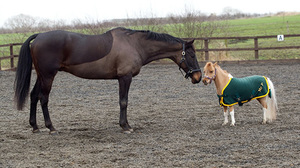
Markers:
{"x": 233, "y": 91}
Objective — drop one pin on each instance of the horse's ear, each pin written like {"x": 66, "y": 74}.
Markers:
{"x": 190, "y": 42}
{"x": 216, "y": 63}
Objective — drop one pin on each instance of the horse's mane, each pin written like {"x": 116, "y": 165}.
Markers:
{"x": 154, "y": 36}
{"x": 226, "y": 72}
{"x": 162, "y": 37}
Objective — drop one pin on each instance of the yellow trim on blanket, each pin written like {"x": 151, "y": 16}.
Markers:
{"x": 223, "y": 104}
{"x": 221, "y": 101}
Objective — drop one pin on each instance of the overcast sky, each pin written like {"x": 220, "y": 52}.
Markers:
{"x": 116, "y": 9}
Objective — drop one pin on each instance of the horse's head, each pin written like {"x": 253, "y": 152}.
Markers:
{"x": 189, "y": 62}
{"x": 209, "y": 72}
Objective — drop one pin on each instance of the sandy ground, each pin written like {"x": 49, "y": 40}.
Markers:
{"x": 176, "y": 123}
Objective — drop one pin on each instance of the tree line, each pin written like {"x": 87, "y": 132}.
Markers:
{"x": 25, "y": 23}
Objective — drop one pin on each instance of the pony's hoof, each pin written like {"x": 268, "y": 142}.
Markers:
{"x": 53, "y": 132}
{"x": 225, "y": 123}
{"x": 232, "y": 125}
{"x": 264, "y": 122}
{"x": 35, "y": 131}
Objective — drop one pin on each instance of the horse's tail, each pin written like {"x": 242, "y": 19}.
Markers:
{"x": 271, "y": 103}
{"x": 23, "y": 73}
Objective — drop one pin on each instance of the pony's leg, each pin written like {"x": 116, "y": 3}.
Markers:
{"x": 124, "y": 84}
{"x": 264, "y": 116}
{"x": 231, "y": 112}
{"x": 34, "y": 98}
{"x": 225, "y": 115}
{"x": 263, "y": 102}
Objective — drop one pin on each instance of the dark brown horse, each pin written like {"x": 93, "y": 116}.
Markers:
{"x": 117, "y": 54}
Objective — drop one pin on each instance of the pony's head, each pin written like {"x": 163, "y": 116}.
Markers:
{"x": 210, "y": 73}
{"x": 189, "y": 62}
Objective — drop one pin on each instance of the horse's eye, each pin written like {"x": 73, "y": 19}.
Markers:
{"x": 211, "y": 71}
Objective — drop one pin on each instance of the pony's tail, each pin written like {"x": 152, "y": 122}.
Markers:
{"x": 271, "y": 103}
{"x": 23, "y": 73}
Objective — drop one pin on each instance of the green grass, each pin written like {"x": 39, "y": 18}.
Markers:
{"x": 265, "y": 26}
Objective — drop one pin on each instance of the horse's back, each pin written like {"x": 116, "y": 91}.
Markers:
{"x": 53, "y": 43}
{"x": 106, "y": 56}
{"x": 55, "y": 38}
{"x": 72, "y": 48}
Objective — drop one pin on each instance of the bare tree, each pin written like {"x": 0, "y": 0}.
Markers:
{"x": 21, "y": 23}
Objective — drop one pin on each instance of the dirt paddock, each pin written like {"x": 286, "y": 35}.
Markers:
{"x": 176, "y": 123}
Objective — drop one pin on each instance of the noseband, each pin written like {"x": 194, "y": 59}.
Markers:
{"x": 211, "y": 78}
{"x": 190, "y": 69}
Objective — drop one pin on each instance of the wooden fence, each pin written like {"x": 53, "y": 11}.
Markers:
{"x": 255, "y": 48}
{"x": 11, "y": 56}
{"x": 206, "y": 48}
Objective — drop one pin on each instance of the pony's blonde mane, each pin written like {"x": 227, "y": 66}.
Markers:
{"x": 226, "y": 72}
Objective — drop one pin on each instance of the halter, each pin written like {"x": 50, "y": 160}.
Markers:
{"x": 211, "y": 78}
{"x": 191, "y": 70}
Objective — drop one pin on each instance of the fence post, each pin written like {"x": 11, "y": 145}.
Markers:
{"x": 206, "y": 49}
{"x": 256, "y": 47}
{"x": 11, "y": 55}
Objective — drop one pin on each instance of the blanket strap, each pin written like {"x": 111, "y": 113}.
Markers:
{"x": 238, "y": 99}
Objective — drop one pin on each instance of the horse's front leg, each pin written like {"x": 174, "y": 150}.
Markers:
{"x": 225, "y": 115}
{"x": 231, "y": 112}
{"x": 124, "y": 84}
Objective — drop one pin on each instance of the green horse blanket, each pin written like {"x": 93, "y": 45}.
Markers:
{"x": 242, "y": 90}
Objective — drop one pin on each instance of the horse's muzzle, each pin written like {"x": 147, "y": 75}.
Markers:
{"x": 196, "y": 77}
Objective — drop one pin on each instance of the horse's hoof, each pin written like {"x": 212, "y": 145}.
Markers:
{"x": 264, "y": 122}
{"x": 36, "y": 131}
{"x": 53, "y": 132}
{"x": 128, "y": 131}
{"x": 232, "y": 125}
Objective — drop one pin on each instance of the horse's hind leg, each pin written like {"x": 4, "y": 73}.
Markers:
{"x": 41, "y": 92}
{"x": 263, "y": 102}
{"x": 44, "y": 98}
{"x": 34, "y": 97}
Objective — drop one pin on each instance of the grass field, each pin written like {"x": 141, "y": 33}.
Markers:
{"x": 271, "y": 25}
{"x": 264, "y": 26}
